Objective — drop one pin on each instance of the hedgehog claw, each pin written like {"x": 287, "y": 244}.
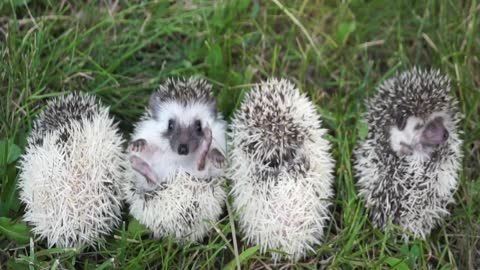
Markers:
{"x": 217, "y": 158}
{"x": 138, "y": 145}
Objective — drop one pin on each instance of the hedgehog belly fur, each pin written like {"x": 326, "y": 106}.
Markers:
{"x": 70, "y": 182}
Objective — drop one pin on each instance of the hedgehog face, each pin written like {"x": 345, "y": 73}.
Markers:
{"x": 183, "y": 126}
{"x": 183, "y": 108}
{"x": 184, "y": 139}
{"x": 420, "y": 136}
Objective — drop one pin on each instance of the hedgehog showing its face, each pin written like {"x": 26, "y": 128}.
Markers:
{"x": 407, "y": 167}
{"x": 281, "y": 169}
{"x": 185, "y": 107}
{"x": 176, "y": 177}
{"x": 70, "y": 174}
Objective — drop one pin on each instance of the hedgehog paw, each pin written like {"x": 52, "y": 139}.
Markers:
{"x": 217, "y": 158}
{"x": 138, "y": 145}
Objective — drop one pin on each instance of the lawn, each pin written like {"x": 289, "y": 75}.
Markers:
{"x": 335, "y": 51}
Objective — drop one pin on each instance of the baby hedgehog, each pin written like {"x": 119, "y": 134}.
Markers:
{"x": 407, "y": 167}
{"x": 281, "y": 169}
{"x": 177, "y": 156}
{"x": 71, "y": 172}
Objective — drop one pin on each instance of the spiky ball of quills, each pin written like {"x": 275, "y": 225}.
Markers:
{"x": 281, "y": 169}
{"x": 183, "y": 207}
{"x": 411, "y": 191}
{"x": 71, "y": 171}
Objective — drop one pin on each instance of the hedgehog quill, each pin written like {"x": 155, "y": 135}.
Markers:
{"x": 71, "y": 172}
{"x": 177, "y": 157}
{"x": 407, "y": 168}
{"x": 281, "y": 170}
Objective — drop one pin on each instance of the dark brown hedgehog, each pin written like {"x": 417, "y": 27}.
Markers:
{"x": 407, "y": 168}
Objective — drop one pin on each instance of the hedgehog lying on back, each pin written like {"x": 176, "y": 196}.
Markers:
{"x": 407, "y": 168}
{"x": 177, "y": 158}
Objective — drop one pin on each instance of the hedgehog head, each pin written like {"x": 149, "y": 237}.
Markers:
{"x": 184, "y": 108}
{"x": 271, "y": 124}
{"x": 413, "y": 113}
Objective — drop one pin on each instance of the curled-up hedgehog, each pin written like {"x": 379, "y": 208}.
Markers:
{"x": 407, "y": 167}
{"x": 177, "y": 157}
{"x": 70, "y": 174}
{"x": 281, "y": 169}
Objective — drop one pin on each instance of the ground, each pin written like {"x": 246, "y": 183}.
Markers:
{"x": 335, "y": 51}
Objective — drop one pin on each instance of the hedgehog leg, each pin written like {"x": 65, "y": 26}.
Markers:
{"x": 217, "y": 158}
{"x": 204, "y": 148}
{"x": 144, "y": 169}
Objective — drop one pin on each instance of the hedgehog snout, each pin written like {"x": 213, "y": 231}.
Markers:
{"x": 185, "y": 139}
{"x": 183, "y": 149}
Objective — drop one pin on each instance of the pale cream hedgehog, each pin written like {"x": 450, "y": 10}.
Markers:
{"x": 71, "y": 171}
{"x": 281, "y": 169}
{"x": 407, "y": 167}
{"x": 177, "y": 155}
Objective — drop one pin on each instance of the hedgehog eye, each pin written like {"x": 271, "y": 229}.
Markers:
{"x": 401, "y": 121}
{"x": 198, "y": 126}
{"x": 171, "y": 124}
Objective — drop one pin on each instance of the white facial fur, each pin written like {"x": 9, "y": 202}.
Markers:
{"x": 186, "y": 115}
{"x": 408, "y": 141}
{"x": 151, "y": 130}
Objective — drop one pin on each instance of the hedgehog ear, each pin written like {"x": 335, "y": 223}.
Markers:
{"x": 154, "y": 103}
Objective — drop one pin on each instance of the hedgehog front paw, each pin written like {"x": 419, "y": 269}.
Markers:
{"x": 138, "y": 145}
{"x": 217, "y": 158}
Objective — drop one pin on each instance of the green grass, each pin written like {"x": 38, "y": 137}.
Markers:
{"x": 337, "y": 52}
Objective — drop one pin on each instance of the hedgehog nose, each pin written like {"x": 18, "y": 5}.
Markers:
{"x": 182, "y": 149}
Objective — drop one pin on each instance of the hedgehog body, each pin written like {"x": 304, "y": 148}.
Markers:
{"x": 407, "y": 167}
{"x": 281, "y": 169}
{"x": 169, "y": 193}
{"x": 71, "y": 172}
